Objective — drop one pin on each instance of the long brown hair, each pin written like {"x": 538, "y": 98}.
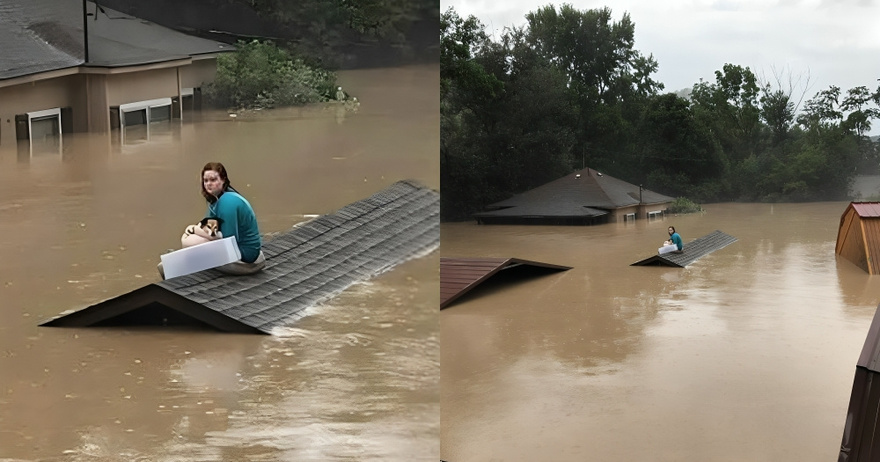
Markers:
{"x": 221, "y": 170}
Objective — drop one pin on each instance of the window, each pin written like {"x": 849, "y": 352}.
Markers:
{"x": 655, "y": 214}
{"x": 136, "y": 120}
{"x": 629, "y": 217}
{"x": 42, "y": 130}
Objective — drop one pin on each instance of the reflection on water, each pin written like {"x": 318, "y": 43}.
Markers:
{"x": 746, "y": 354}
{"x": 356, "y": 379}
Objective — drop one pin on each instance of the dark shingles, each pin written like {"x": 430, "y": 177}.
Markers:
{"x": 692, "y": 251}
{"x": 47, "y": 35}
{"x": 585, "y": 193}
{"x": 316, "y": 260}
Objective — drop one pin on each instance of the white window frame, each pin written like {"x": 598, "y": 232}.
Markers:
{"x": 655, "y": 214}
{"x": 629, "y": 216}
{"x": 145, "y": 105}
{"x": 141, "y": 105}
{"x": 40, "y": 115}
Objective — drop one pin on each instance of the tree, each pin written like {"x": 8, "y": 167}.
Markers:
{"x": 675, "y": 152}
{"x": 321, "y": 29}
{"x": 261, "y": 75}
{"x": 608, "y": 77}
{"x": 595, "y": 52}
{"x": 778, "y": 104}
{"x": 507, "y": 119}
{"x": 730, "y": 108}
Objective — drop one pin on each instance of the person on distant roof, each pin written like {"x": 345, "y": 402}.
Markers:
{"x": 674, "y": 238}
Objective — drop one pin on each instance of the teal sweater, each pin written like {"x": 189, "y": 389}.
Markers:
{"x": 239, "y": 220}
{"x": 676, "y": 239}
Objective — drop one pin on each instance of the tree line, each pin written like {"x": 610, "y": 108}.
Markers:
{"x": 569, "y": 90}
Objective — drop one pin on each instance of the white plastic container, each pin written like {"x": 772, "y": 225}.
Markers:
{"x": 667, "y": 249}
{"x": 200, "y": 257}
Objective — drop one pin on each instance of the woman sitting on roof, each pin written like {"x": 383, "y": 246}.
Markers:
{"x": 674, "y": 238}
{"x": 236, "y": 216}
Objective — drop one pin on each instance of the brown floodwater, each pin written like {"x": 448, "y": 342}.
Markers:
{"x": 746, "y": 354}
{"x": 354, "y": 380}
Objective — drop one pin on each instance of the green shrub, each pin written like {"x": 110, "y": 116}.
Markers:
{"x": 684, "y": 205}
{"x": 262, "y": 75}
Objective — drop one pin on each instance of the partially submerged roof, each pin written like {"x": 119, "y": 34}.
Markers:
{"x": 860, "y": 438}
{"x": 867, "y": 209}
{"x": 46, "y": 35}
{"x": 691, "y": 251}
{"x": 858, "y": 237}
{"x": 460, "y": 275}
{"x": 305, "y": 266}
{"x": 585, "y": 193}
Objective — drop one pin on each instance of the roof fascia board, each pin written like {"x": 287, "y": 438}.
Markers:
{"x": 137, "y": 68}
{"x": 91, "y": 70}
{"x": 31, "y": 78}
{"x": 212, "y": 55}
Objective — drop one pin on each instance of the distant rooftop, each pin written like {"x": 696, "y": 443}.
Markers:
{"x": 585, "y": 193}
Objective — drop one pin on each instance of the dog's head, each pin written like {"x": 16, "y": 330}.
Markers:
{"x": 211, "y": 226}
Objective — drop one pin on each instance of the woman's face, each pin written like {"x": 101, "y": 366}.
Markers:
{"x": 671, "y": 230}
{"x": 212, "y": 181}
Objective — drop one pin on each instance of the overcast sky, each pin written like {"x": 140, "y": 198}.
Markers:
{"x": 834, "y": 42}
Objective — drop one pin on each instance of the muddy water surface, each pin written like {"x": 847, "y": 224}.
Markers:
{"x": 746, "y": 354}
{"x": 355, "y": 380}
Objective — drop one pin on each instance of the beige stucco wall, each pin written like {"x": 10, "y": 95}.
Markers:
{"x": 645, "y": 209}
{"x": 140, "y": 86}
{"x": 618, "y": 214}
{"x": 90, "y": 93}
{"x": 35, "y": 96}
{"x": 198, "y": 73}
{"x": 641, "y": 211}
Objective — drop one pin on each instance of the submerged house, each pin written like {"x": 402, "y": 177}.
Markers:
{"x": 858, "y": 239}
{"x": 580, "y": 198}
{"x": 68, "y": 66}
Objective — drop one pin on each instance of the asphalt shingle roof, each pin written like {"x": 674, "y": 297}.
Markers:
{"x": 46, "y": 35}
{"x": 39, "y": 36}
{"x": 691, "y": 251}
{"x": 305, "y": 266}
{"x": 117, "y": 39}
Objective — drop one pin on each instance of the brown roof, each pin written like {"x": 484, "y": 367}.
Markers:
{"x": 858, "y": 238}
{"x": 867, "y": 209}
{"x": 585, "y": 193}
{"x": 860, "y": 439}
{"x": 459, "y": 275}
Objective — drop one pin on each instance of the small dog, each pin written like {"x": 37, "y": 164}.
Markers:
{"x": 204, "y": 231}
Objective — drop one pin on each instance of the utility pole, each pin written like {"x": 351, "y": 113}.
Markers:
{"x": 85, "y": 31}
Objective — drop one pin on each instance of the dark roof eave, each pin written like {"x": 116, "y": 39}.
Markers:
{"x": 104, "y": 68}
{"x": 39, "y": 75}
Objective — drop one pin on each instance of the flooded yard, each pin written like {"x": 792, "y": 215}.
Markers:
{"x": 746, "y": 354}
{"x": 356, "y": 379}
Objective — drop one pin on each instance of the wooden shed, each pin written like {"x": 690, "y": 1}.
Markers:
{"x": 861, "y": 440}
{"x": 858, "y": 239}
